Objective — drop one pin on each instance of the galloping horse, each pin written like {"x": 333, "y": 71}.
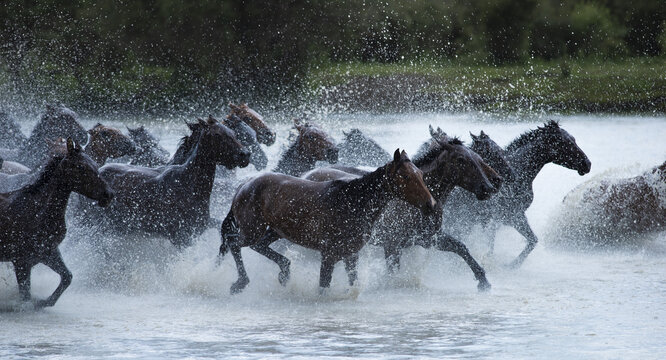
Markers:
{"x": 32, "y": 219}
{"x": 56, "y": 122}
{"x": 359, "y": 150}
{"x": 447, "y": 164}
{"x": 334, "y": 217}
{"x": 264, "y": 134}
{"x": 311, "y": 145}
{"x": 149, "y": 152}
{"x": 172, "y": 201}
{"x": 526, "y": 155}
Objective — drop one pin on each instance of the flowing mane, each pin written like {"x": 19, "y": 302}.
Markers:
{"x": 45, "y": 175}
{"x": 530, "y": 135}
{"x": 434, "y": 152}
{"x": 186, "y": 145}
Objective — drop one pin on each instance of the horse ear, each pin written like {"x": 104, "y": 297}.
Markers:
{"x": 201, "y": 122}
{"x": 71, "y": 146}
{"x": 432, "y": 131}
{"x": 474, "y": 137}
{"x": 211, "y": 120}
{"x": 396, "y": 156}
{"x": 403, "y": 155}
{"x": 483, "y": 135}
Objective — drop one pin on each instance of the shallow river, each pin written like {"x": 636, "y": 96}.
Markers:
{"x": 151, "y": 301}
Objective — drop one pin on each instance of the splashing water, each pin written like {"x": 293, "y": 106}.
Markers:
{"x": 142, "y": 298}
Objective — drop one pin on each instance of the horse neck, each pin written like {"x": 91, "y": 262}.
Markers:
{"x": 294, "y": 162}
{"x": 528, "y": 160}
{"x": 369, "y": 194}
{"x": 51, "y": 197}
{"x": 199, "y": 169}
{"x": 436, "y": 179}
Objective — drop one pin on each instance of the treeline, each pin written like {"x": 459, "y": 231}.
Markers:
{"x": 142, "y": 54}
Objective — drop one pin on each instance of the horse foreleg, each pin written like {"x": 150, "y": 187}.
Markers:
{"x": 524, "y": 229}
{"x": 351, "y": 263}
{"x": 326, "y": 271}
{"x": 243, "y": 280}
{"x": 22, "y": 271}
{"x": 262, "y": 247}
{"x": 55, "y": 262}
{"x": 448, "y": 243}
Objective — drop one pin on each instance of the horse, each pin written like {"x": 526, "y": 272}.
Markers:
{"x": 148, "y": 152}
{"x": 334, "y": 217}
{"x": 107, "y": 142}
{"x": 172, "y": 201}
{"x": 244, "y": 134}
{"x": 447, "y": 164}
{"x": 359, "y": 150}
{"x": 11, "y": 135}
{"x": 32, "y": 219}
{"x": 612, "y": 211}
{"x": 264, "y": 134}
{"x": 311, "y": 145}
{"x": 526, "y": 155}
{"x": 56, "y": 122}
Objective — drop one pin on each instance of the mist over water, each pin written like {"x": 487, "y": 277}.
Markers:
{"x": 142, "y": 298}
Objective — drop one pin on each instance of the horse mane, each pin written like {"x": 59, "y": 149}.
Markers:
{"x": 434, "y": 152}
{"x": 186, "y": 145}
{"x": 45, "y": 175}
{"x": 529, "y": 136}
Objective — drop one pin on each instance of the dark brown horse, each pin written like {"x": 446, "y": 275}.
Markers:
{"x": 32, "y": 219}
{"x": 148, "y": 152}
{"x": 172, "y": 201}
{"x": 311, "y": 145}
{"x": 264, "y": 134}
{"x": 334, "y": 217}
{"x": 446, "y": 164}
{"x": 526, "y": 155}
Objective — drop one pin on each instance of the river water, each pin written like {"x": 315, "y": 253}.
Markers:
{"x": 145, "y": 299}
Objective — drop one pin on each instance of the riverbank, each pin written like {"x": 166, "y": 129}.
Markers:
{"x": 630, "y": 86}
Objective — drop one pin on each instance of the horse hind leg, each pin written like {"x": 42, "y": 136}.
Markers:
{"x": 262, "y": 247}
{"x": 448, "y": 243}
{"x": 55, "y": 262}
{"x": 243, "y": 280}
{"x": 229, "y": 233}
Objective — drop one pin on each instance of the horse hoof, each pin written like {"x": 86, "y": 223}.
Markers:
{"x": 238, "y": 286}
{"x": 484, "y": 286}
{"x": 40, "y": 304}
{"x": 283, "y": 277}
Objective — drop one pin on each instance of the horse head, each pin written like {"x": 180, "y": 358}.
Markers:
{"x": 110, "y": 142}
{"x": 264, "y": 134}
{"x": 563, "y": 148}
{"x": 81, "y": 175}
{"x": 465, "y": 168}
{"x": 315, "y": 143}
{"x": 406, "y": 180}
{"x": 225, "y": 148}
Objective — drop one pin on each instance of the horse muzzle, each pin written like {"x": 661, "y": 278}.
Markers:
{"x": 485, "y": 191}
{"x": 243, "y": 158}
{"x": 266, "y": 137}
{"x": 585, "y": 167}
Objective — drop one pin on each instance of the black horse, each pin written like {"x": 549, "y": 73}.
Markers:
{"x": 148, "y": 152}
{"x": 359, "y": 150}
{"x": 526, "y": 155}
{"x": 32, "y": 219}
{"x": 172, "y": 201}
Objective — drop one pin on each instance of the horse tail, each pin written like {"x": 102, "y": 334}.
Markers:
{"x": 229, "y": 232}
